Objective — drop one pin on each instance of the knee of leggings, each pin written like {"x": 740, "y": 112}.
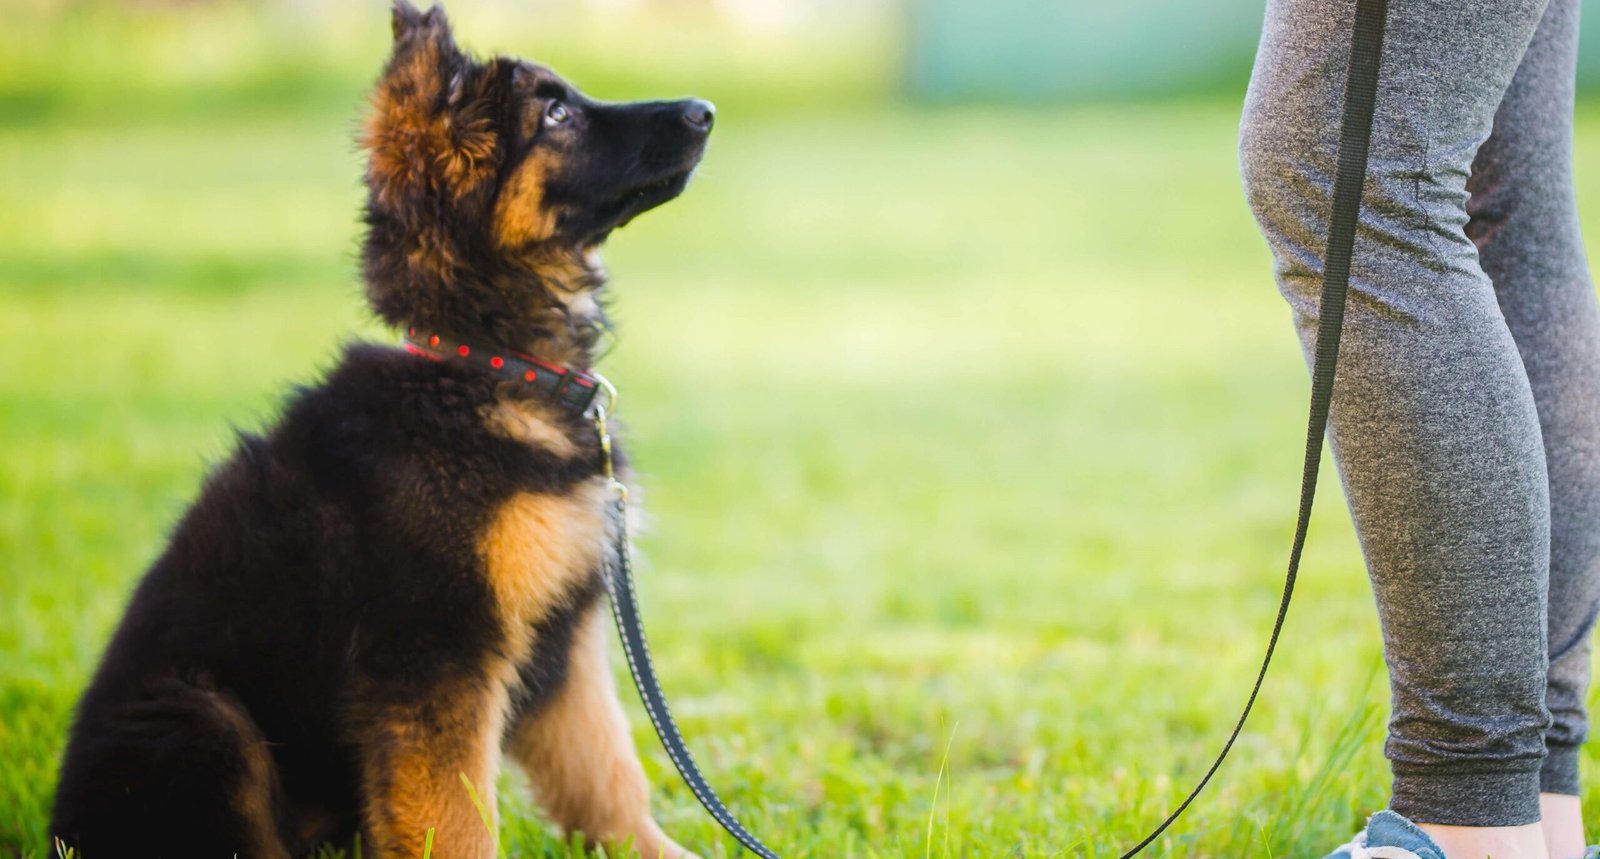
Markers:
{"x": 1288, "y": 169}
{"x": 1286, "y": 184}
{"x": 1263, "y": 166}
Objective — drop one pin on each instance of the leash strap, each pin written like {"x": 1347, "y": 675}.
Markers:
{"x": 1360, "y": 95}
{"x": 618, "y": 574}
{"x": 625, "y": 608}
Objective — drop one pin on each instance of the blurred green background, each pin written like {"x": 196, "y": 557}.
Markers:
{"x": 969, "y": 434}
{"x": 1054, "y": 50}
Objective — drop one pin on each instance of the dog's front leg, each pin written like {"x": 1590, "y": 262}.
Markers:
{"x": 414, "y": 758}
{"x": 580, "y": 757}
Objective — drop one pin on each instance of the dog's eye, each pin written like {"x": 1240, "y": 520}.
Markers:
{"x": 556, "y": 113}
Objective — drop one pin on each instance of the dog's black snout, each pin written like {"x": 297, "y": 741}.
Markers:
{"x": 699, "y": 113}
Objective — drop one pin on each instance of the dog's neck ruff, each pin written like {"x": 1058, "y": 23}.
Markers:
{"x": 568, "y": 388}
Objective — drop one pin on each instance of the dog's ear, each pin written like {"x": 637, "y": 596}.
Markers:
{"x": 406, "y": 19}
{"x": 429, "y": 131}
{"x": 420, "y": 38}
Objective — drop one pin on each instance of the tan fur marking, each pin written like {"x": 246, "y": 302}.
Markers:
{"x": 570, "y": 273}
{"x": 520, "y": 216}
{"x": 430, "y": 251}
{"x": 413, "y": 777}
{"x": 526, "y": 422}
{"x": 580, "y": 303}
{"x": 534, "y": 549}
{"x": 579, "y": 754}
{"x": 573, "y": 280}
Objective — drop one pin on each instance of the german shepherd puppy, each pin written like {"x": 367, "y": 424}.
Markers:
{"x": 401, "y": 580}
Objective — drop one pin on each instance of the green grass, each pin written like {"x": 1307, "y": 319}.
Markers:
{"x": 969, "y": 440}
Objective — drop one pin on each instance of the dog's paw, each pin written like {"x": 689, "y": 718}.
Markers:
{"x": 673, "y": 850}
{"x": 652, "y": 843}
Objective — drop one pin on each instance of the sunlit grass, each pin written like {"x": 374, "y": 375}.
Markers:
{"x": 976, "y": 417}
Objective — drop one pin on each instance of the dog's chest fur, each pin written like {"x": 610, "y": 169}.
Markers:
{"x": 539, "y": 551}
{"x": 541, "y": 554}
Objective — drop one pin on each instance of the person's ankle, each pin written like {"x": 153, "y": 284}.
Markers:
{"x": 1561, "y": 818}
{"x": 1488, "y": 842}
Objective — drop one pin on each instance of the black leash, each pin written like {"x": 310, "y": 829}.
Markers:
{"x": 1360, "y": 94}
{"x": 618, "y": 575}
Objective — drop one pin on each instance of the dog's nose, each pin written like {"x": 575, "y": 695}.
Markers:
{"x": 699, "y": 113}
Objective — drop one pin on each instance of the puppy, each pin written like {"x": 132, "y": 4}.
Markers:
{"x": 400, "y": 581}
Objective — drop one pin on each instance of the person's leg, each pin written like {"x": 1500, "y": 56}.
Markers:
{"x": 1524, "y": 219}
{"x": 1562, "y": 825}
{"x": 1434, "y": 425}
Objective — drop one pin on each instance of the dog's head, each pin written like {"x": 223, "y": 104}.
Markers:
{"x": 491, "y": 183}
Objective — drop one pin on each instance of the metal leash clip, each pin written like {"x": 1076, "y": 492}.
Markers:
{"x": 608, "y": 459}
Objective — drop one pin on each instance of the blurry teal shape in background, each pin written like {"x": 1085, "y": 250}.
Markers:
{"x": 1081, "y": 50}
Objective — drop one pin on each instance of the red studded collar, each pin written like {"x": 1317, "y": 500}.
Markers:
{"x": 569, "y": 388}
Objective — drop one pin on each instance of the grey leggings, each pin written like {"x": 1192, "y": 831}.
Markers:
{"x": 1466, "y": 412}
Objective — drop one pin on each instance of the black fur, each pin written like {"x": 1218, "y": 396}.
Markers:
{"x": 325, "y": 571}
{"x": 330, "y": 568}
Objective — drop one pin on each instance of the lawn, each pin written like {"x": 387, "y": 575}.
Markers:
{"x": 969, "y": 438}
